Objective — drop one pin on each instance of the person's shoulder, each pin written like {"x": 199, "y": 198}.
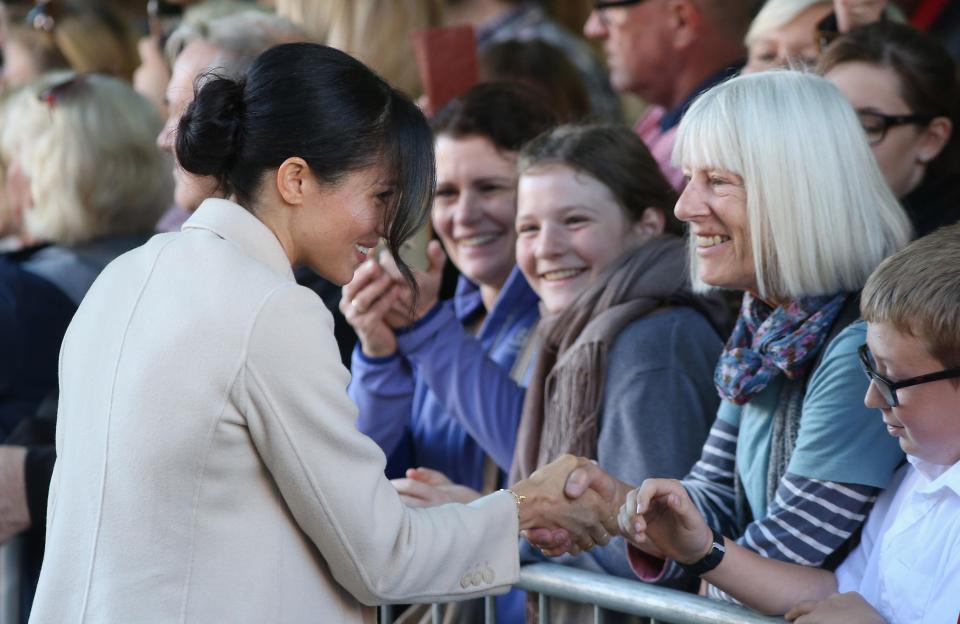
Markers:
{"x": 290, "y": 305}
{"x": 664, "y": 335}
{"x": 848, "y": 339}
{"x": 670, "y": 325}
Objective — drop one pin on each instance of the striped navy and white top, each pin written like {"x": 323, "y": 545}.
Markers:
{"x": 842, "y": 460}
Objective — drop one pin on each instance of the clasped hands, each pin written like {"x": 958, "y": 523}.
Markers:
{"x": 572, "y": 505}
{"x": 658, "y": 517}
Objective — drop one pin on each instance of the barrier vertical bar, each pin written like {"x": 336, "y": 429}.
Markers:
{"x": 543, "y": 602}
{"x": 489, "y": 610}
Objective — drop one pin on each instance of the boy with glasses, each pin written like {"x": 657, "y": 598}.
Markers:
{"x": 907, "y": 565}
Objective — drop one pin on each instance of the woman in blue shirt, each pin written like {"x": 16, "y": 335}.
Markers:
{"x": 404, "y": 382}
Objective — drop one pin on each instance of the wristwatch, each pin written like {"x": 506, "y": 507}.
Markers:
{"x": 710, "y": 561}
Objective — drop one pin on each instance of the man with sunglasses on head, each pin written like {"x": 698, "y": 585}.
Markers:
{"x": 667, "y": 52}
{"x": 906, "y": 568}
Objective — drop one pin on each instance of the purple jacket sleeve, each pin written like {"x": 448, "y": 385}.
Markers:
{"x": 382, "y": 388}
{"x": 475, "y": 390}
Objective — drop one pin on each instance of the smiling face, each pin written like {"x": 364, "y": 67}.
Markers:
{"x": 714, "y": 205}
{"x": 793, "y": 42}
{"x": 189, "y": 190}
{"x": 335, "y": 226}
{"x": 570, "y": 228}
{"x": 475, "y": 207}
{"x": 927, "y": 420}
{"x": 905, "y": 150}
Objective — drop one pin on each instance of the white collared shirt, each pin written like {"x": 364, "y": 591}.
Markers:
{"x": 908, "y": 562}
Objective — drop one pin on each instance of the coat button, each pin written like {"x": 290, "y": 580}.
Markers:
{"x": 488, "y": 575}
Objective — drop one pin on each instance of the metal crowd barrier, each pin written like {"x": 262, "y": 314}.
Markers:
{"x": 610, "y": 593}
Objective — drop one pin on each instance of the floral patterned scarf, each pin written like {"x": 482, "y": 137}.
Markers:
{"x": 768, "y": 341}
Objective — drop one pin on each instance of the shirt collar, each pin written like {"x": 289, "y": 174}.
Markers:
{"x": 234, "y": 223}
{"x": 516, "y": 292}
{"x": 673, "y": 116}
{"x": 936, "y": 477}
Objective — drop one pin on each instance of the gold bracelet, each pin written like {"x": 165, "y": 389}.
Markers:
{"x": 518, "y": 498}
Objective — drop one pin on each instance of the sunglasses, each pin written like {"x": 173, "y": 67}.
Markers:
{"x": 887, "y": 387}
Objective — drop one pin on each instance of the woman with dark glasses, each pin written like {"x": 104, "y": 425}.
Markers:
{"x": 905, "y": 89}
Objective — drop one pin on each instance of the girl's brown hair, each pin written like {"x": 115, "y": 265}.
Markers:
{"x": 614, "y": 156}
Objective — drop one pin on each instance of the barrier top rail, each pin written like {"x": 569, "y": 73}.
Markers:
{"x": 633, "y": 597}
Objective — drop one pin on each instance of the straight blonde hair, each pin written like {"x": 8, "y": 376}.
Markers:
{"x": 820, "y": 215}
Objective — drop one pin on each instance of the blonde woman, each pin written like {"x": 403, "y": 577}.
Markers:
{"x": 92, "y": 186}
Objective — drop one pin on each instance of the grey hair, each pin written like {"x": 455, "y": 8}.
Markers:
{"x": 819, "y": 213}
{"x": 239, "y": 35}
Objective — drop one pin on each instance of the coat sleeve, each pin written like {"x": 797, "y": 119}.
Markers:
{"x": 292, "y": 391}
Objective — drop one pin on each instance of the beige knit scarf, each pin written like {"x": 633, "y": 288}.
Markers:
{"x": 562, "y": 406}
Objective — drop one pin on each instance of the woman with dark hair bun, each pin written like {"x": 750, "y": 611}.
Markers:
{"x": 208, "y": 464}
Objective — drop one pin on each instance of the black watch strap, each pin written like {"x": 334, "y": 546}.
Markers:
{"x": 709, "y": 562}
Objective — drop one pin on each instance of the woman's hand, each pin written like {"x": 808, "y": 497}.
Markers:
{"x": 849, "y": 608}
{"x": 853, "y": 13}
{"x": 590, "y": 476}
{"x": 424, "y": 487}
{"x": 366, "y": 302}
{"x": 660, "y": 519}
{"x": 428, "y": 282}
{"x": 588, "y": 520}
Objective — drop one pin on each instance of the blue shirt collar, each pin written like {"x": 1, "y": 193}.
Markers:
{"x": 673, "y": 116}
{"x": 516, "y": 292}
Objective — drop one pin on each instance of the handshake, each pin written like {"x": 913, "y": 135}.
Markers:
{"x": 572, "y": 505}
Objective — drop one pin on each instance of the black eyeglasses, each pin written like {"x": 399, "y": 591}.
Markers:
{"x": 888, "y": 388}
{"x": 600, "y": 5}
{"x": 876, "y": 124}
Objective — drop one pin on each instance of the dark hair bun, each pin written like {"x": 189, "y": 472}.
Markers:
{"x": 209, "y": 134}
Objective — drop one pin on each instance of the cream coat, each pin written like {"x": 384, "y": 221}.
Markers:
{"x": 208, "y": 466}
